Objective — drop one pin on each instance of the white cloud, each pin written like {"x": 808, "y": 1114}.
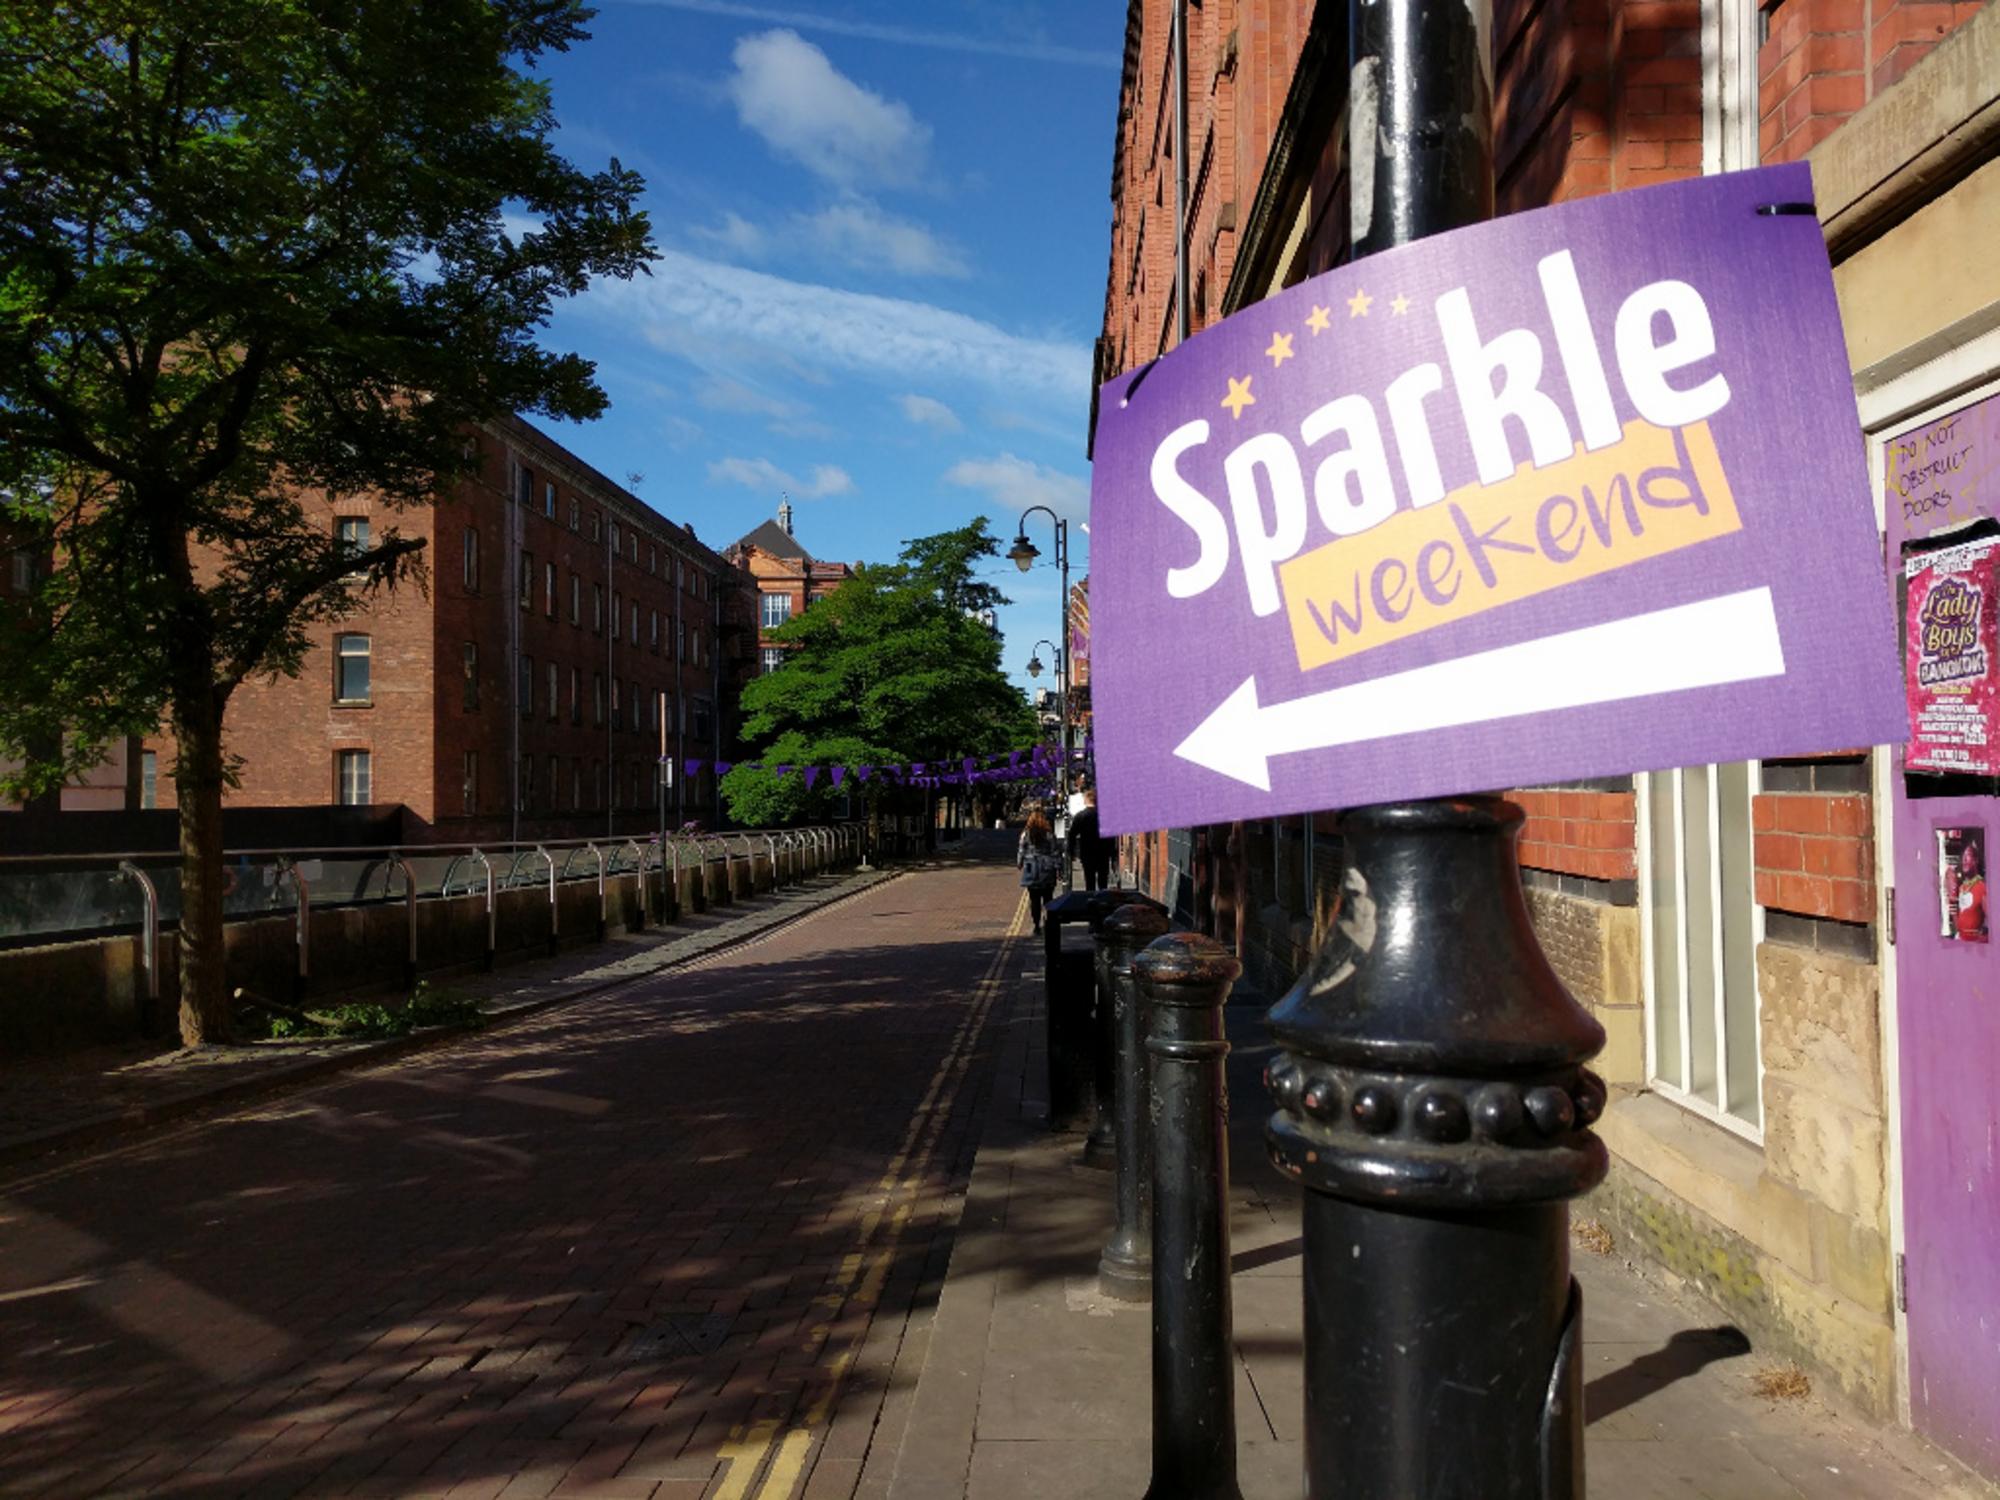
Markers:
{"x": 928, "y": 412}
{"x": 1032, "y": 48}
{"x": 763, "y": 475}
{"x": 861, "y": 234}
{"x": 728, "y": 395}
{"x": 727, "y": 317}
{"x": 805, "y": 108}
{"x": 1017, "y": 483}
{"x": 736, "y": 235}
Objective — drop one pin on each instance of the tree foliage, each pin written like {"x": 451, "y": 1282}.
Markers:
{"x": 896, "y": 665}
{"x": 254, "y": 252}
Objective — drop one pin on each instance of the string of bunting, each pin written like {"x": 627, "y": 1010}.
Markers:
{"x": 966, "y": 770}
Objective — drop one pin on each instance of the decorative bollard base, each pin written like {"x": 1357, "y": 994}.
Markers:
{"x": 1433, "y": 1105}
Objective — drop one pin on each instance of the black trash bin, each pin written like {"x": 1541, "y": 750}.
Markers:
{"x": 1076, "y": 1074}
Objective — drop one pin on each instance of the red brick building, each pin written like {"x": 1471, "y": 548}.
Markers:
{"x": 1730, "y": 925}
{"x": 786, "y": 578}
{"x": 568, "y": 636}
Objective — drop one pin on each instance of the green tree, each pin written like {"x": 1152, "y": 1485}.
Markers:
{"x": 893, "y": 666}
{"x": 252, "y": 250}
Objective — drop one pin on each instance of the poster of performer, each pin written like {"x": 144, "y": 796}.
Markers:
{"x": 1961, "y": 864}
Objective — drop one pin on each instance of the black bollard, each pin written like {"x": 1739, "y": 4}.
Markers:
{"x": 1125, "y": 1270}
{"x": 1186, "y": 980}
{"x": 1433, "y": 1104}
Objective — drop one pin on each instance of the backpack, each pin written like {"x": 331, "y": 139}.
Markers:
{"x": 1039, "y": 868}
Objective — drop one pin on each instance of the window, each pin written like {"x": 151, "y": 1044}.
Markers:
{"x": 350, "y": 669}
{"x": 575, "y": 513}
{"x": 635, "y": 625}
{"x": 575, "y": 696}
{"x": 632, "y": 547}
{"x": 524, "y": 485}
{"x": 1701, "y": 929}
{"x": 694, "y": 645}
{"x": 524, "y": 787}
{"x": 549, "y": 590}
{"x": 597, "y": 783}
{"x": 527, "y": 687}
{"x": 774, "y": 658}
{"x": 633, "y": 700}
{"x": 666, "y": 711}
{"x": 527, "y": 588}
{"x": 555, "y": 697}
{"x": 469, "y": 691}
{"x": 652, "y": 559}
{"x": 575, "y": 600}
{"x": 615, "y": 611}
{"x": 468, "y": 789}
{"x": 555, "y": 782}
{"x": 616, "y": 721}
{"x": 681, "y": 645}
{"x": 597, "y": 699}
{"x": 614, "y": 538}
{"x": 471, "y": 560}
{"x": 149, "y": 778}
{"x": 350, "y": 535}
{"x": 777, "y": 608}
{"x": 549, "y": 499}
{"x": 576, "y": 781}
{"x": 653, "y": 629}
{"x": 353, "y": 778}
{"x": 597, "y": 608}
{"x": 597, "y": 526}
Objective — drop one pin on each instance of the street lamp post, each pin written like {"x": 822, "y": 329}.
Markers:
{"x": 1023, "y": 553}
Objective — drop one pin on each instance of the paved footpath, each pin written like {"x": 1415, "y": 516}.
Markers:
{"x": 663, "y": 1241}
{"x": 1024, "y": 1384}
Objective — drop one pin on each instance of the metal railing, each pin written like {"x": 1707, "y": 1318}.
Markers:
{"x": 54, "y": 898}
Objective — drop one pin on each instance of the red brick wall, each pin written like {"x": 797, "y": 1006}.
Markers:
{"x": 1580, "y": 833}
{"x": 1823, "y": 59}
{"x": 417, "y": 728}
{"x": 1815, "y": 854}
{"x": 1594, "y": 96}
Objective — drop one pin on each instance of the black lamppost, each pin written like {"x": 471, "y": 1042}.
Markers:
{"x": 1431, "y": 1098}
{"x": 1023, "y": 553}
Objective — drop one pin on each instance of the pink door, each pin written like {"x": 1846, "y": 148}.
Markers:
{"x": 1943, "y": 487}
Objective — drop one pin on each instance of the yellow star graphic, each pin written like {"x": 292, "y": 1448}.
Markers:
{"x": 1357, "y": 305}
{"x": 1400, "y": 306}
{"x": 1317, "y": 322}
{"x": 1239, "y": 396}
{"x": 1280, "y": 350}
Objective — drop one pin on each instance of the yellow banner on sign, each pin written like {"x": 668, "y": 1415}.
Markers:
{"x": 1654, "y": 491}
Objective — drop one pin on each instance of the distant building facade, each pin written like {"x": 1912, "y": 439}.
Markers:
{"x": 785, "y": 579}
{"x": 567, "y": 639}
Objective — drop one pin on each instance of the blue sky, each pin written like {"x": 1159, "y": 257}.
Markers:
{"x": 884, "y": 236}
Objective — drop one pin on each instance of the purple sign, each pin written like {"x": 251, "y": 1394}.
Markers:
{"x": 1573, "y": 493}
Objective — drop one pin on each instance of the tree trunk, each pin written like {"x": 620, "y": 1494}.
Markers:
{"x": 198, "y": 789}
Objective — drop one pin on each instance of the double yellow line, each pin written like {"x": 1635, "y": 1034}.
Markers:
{"x": 858, "y": 1283}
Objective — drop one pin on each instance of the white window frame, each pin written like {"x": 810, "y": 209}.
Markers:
{"x": 1648, "y": 939}
{"x": 342, "y": 759}
{"x": 765, "y": 609}
{"x": 1729, "y": 94}
{"x": 341, "y": 655}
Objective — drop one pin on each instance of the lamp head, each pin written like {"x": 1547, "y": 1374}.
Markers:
{"x": 1035, "y": 665}
{"x": 1023, "y": 552}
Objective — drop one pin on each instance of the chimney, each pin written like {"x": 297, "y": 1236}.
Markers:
{"x": 784, "y": 513}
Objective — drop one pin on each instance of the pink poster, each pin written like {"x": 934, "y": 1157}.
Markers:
{"x": 1950, "y": 674}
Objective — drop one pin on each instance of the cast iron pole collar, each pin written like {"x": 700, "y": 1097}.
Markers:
{"x": 1434, "y": 1059}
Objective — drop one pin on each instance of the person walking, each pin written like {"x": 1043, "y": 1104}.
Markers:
{"x": 1038, "y": 862}
{"x": 1091, "y": 847}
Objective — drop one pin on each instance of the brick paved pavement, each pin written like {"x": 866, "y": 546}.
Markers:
{"x": 661, "y": 1242}
{"x": 52, "y": 1102}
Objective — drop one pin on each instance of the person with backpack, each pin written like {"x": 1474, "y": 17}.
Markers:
{"x": 1038, "y": 862}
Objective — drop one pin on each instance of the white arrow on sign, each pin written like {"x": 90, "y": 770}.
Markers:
{"x": 1730, "y": 638}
